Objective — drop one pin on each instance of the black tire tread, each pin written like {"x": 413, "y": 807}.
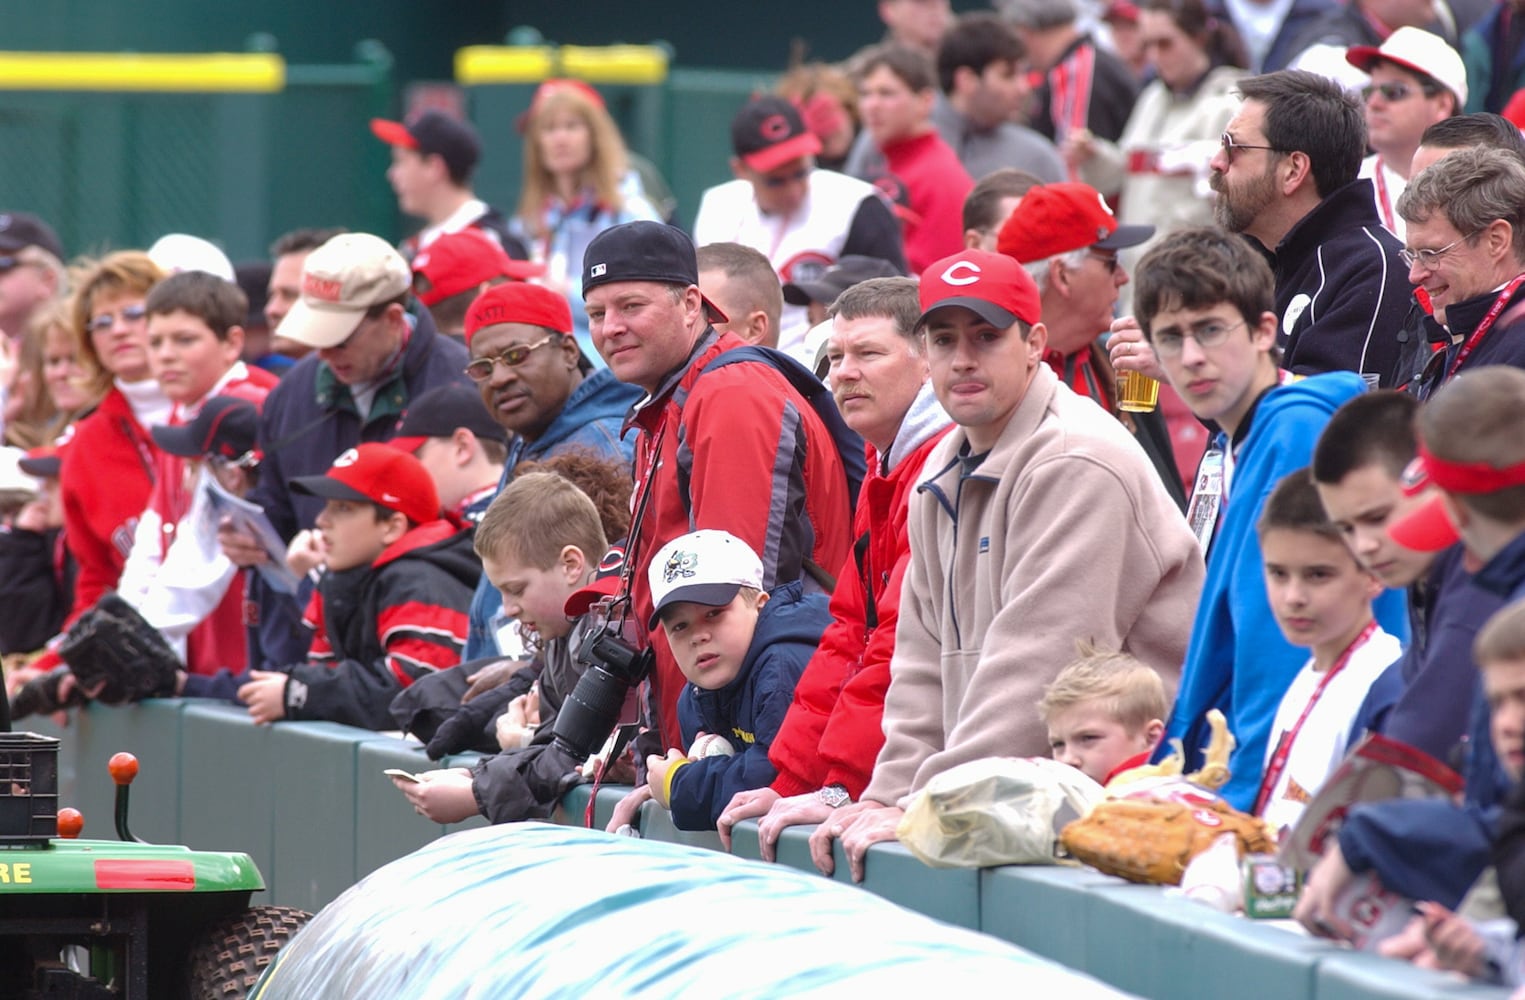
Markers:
{"x": 229, "y": 955}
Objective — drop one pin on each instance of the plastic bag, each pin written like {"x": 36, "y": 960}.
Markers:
{"x": 997, "y": 811}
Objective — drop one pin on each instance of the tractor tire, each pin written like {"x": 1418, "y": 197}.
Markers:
{"x": 229, "y": 956}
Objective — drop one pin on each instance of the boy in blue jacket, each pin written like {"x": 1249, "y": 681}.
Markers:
{"x": 742, "y": 650}
{"x": 1205, "y": 302}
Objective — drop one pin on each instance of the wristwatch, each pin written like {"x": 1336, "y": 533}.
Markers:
{"x": 834, "y": 796}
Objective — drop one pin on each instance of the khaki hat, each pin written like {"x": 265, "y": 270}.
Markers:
{"x": 341, "y": 280}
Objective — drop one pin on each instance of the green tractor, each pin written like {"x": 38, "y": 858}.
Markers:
{"x": 118, "y": 919}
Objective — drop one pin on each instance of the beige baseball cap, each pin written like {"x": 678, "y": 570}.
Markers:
{"x": 341, "y": 280}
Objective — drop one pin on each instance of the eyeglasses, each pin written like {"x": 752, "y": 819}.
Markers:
{"x": 1107, "y": 259}
{"x": 248, "y": 460}
{"x": 1393, "y": 91}
{"x": 1230, "y": 146}
{"x": 127, "y": 314}
{"x": 481, "y": 369}
{"x": 1428, "y": 258}
{"x": 1208, "y": 335}
{"x": 784, "y": 180}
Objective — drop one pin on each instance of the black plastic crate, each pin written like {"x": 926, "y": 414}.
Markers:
{"x": 28, "y": 789}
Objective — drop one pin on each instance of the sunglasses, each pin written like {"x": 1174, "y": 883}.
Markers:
{"x": 481, "y": 369}
{"x": 1109, "y": 260}
{"x": 127, "y": 314}
{"x": 1230, "y": 146}
{"x": 784, "y": 180}
{"x": 1393, "y": 92}
{"x": 9, "y": 263}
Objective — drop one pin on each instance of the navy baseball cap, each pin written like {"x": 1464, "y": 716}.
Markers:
{"x": 643, "y": 251}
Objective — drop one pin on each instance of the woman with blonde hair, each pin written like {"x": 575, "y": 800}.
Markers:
{"x": 51, "y": 379}
{"x": 577, "y": 183}
{"x": 108, "y": 459}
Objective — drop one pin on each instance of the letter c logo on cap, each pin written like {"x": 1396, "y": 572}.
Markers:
{"x": 347, "y": 459}
{"x": 971, "y": 276}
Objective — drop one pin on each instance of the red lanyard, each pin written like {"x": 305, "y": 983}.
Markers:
{"x": 1384, "y": 203}
{"x": 1278, "y": 762}
{"x": 1487, "y": 323}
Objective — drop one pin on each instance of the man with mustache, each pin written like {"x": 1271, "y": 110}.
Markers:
{"x": 1286, "y": 177}
{"x": 824, "y": 751}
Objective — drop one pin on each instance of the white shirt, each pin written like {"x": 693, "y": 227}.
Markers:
{"x": 1385, "y": 192}
{"x": 1323, "y": 739}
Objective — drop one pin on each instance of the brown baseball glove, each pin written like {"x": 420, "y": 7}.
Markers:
{"x": 1148, "y": 840}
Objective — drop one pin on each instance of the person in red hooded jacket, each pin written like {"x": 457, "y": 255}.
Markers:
{"x": 825, "y": 750}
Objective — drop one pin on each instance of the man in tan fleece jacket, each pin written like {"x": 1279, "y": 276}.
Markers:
{"x": 1039, "y": 522}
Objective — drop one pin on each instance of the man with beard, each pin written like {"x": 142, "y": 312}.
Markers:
{"x": 1286, "y": 176}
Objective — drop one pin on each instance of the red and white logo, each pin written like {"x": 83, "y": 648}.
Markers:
{"x": 774, "y": 128}
{"x": 324, "y": 289}
{"x": 962, "y": 272}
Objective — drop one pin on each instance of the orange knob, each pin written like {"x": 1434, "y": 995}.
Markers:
{"x": 70, "y": 823}
{"x": 123, "y": 767}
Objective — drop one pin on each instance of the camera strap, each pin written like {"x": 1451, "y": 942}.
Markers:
{"x": 638, "y": 520}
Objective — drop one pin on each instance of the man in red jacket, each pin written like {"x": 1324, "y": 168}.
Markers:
{"x": 825, "y": 750}
{"x": 735, "y": 448}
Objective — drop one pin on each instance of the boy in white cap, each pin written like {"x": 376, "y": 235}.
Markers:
{"x": 742, "y": 650}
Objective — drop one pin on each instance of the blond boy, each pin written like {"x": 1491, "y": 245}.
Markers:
{"x": 1105, "y": 713}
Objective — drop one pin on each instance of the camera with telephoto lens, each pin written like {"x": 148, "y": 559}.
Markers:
{"x": 593, "y": 708}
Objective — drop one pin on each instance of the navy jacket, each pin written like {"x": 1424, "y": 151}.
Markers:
{"x": 1504, "y": 344}
{"x": 749, "y": 710}
{"x": 1342, "y": 291}
{"x": 1432, "y": 849}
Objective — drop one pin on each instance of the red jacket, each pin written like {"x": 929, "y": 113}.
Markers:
{"x": 832, "y": 733}
{"x": 105, "y": 478}
{"x": 741, "y": 451}
{"x": 935, "y": 185}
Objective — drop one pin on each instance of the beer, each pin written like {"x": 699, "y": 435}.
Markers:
{"x": 1137, "y": 393}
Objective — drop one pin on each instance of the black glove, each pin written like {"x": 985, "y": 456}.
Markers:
{"x": 472, "y": 726}
{"x": 39, "y": 696}
{"x": 112, "y": 643}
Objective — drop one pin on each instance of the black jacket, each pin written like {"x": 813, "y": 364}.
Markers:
{"x": 1342, "y": 292}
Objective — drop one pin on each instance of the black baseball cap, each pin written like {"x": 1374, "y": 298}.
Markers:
{"x": 226, "y": 427}
{"x": 434, "y": 132}
{"x": 19, "y": 230}
{"x": 438, "y": 412}
{"x": 838, "y": 278}
{"x": 769, "y": 132}
{"x": 643, "y": 251}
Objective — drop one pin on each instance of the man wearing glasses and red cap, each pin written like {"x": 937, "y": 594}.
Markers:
{"x": 982, "y": 628}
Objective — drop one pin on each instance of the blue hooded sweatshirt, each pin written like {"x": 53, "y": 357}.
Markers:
{"x": 1238, "y": 661}
{"x": 749, "y": 710}
{"x": 590, "y": 421}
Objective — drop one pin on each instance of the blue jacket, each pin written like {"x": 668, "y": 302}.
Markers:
{"x": 749, "y": 710}
{"x": 1237, "y": 660}
{"x": 1432, "y": 849}
{"x": 591, "y": 420}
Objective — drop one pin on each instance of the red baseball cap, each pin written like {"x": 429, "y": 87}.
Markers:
{"x": 1428, "y": 528}
{"x": 460, "y": 261}
{"x": 992, "y": 285}
{"x": 518, "y": 302}
{"x": 549, "y": 87}
{"x": 605, "y": 584}
{"x": 1057, "y": 218}
{"x": 377, "y": 473}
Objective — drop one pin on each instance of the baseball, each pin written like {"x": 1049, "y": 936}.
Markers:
{"x": 711, "y": 745}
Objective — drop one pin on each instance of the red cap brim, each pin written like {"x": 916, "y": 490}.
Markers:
{"x": 1426, "y": 528}
{"x": 581, "y": 600}
{"x": 408, "y": 444}
{"x": 393, "y": 133}
{"x": 764, "y": 160}
{"x": 523, "y": 270}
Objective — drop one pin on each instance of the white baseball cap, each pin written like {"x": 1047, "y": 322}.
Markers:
{"x": 341, "y": 280}
{"x": 704, "y": 567}
{"x": 1418, "y": 51}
